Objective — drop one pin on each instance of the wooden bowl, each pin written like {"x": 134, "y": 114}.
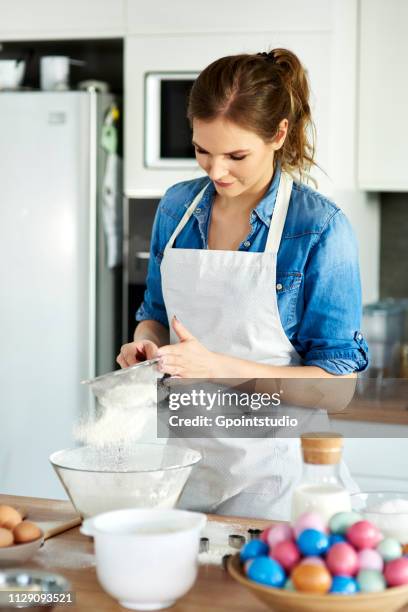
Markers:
{"x": 281, "y": 600}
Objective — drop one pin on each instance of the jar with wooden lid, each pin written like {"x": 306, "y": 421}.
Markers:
{"x": 321, "y": 488}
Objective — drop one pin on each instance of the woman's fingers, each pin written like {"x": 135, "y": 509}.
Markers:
{"x": 129, "y": 352}
{"x": 135, "y": 352}
{"x": 171, "y": 364}
{"x": 120, "y": 360}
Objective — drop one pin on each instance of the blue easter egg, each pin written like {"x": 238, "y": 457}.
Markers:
{"x": 252, "y": 549}
{"x": 335, "y": 538}
{"x": 267, "y": 571}
{"x": 313, "y": 543}
{"x": 344, "y": 585}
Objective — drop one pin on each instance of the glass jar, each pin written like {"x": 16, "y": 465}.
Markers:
{"x": 321, "y": 488}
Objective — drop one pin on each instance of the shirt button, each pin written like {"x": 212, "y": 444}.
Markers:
{"x": 247, "y": 243}
{"x": 279, "y": 286}
{"x": 197, "y": 210}
{"x": 360, "y": 337}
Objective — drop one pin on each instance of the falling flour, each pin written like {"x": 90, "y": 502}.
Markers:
{"x": 123, "y": 416}
{"x": 126, "y": 410}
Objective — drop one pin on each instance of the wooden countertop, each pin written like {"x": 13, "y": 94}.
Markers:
{"x": 71, "y": 554}
{"x": 385, "y": 402}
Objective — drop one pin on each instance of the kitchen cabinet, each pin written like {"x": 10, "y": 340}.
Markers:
{"x": 56, "y": 19}
{"x": 185, "y": 17}
{"x": 383, "y": 123}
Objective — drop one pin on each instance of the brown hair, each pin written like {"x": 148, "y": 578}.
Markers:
{"x": 256, "y": 92}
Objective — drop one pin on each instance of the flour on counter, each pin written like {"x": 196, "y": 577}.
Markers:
{"x": 218, "y": 533}
{"x": 52, "y": 557}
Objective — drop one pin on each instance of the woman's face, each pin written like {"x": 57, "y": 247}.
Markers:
{"x": 237, "y": 160}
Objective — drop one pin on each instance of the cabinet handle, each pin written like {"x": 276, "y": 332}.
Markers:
{"x": 142, "y": 255}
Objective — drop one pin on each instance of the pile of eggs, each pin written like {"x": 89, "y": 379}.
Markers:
{"x": 13, "y": 530}
{"x": 347, "y": 556}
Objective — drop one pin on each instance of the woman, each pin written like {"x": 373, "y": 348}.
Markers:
{"x": 255, "y": 274}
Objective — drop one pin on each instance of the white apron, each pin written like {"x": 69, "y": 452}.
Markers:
{"x": 228, "y": 301}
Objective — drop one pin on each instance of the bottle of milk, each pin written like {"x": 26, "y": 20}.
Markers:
{"x": 321, "y": 488}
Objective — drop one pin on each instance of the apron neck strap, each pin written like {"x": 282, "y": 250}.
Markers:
{"x": 277, "y": 221}
{"x": 186, "y": 217}
{"x": 279, "y": 213}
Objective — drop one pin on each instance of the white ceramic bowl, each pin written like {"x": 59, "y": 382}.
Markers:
{"x": 388, "y": 510}
{"x": 19, "y": 553}
{"x": 146, "y": 559}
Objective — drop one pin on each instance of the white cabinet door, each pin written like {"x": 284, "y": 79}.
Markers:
{"x": 192, "y": 53}
{"x": 383, "y": 129}
{"x": 53, "y": 19}
{"x": 212, "y": 16}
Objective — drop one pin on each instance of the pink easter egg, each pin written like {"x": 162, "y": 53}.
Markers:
{"x": 277, "y": 533}
{"x": 286, "y": 553}
{"x": 309, "y": 520}
{"x": 363, "y": 534}
{"x": 369, "y": 559}
{"x": 396, "y": 572}
{"x": 342, "y": 560}
{"x": 312, "y": 561}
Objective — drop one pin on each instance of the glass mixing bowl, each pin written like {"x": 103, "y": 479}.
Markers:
{"x": 145, "y": 476}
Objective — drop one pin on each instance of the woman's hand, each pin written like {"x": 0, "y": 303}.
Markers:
{"x": 135, "y": 352}
{"x": 188, "y": 358}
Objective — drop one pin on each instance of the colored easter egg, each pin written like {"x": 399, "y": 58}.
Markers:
{"x": 363, "y": 534}
{"x": 405, "y": 549}
{"x": 309, "y": 520}
{"x": 335, "y": 538}
{"x": 370, "y": 559}
{"x": 286, "y": 553}
{"x": 247, "y": 564}
{"x": 341, "y": 521}
{"x": 370, "y": 581}
{"x": 277, "y": 533}
{"x": 289, "y": 586}
{"x": 344, "y": 585}
{"x": 252, "y": 549}
{"x": 312, "y": 542}
{"x": 311, "y": 578}
{"x": 342, "y": 559}
{"x": 389, "y": 549}
{"x": 312, "y": 561}
{"x": 267, "y": 571}
{"x": 396, "y": 572}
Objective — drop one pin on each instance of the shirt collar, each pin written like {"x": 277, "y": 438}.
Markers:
{"x": 263, "y": 210}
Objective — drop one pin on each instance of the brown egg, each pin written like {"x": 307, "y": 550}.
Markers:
{"x": 405, "y": 549}
{"x": 311, "y": 578}
{"x": 26, "y": 532}
{"x": 9, "y": 517}
{"x": 6, "y": 537}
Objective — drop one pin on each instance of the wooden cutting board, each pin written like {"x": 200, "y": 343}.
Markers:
{"x": 51, "y": 528}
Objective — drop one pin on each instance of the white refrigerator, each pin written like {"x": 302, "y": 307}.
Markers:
{"x": 57, "y": 297}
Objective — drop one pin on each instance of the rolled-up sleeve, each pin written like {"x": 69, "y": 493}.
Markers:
{"x": 152, "y": 307}
{"x": 329, "y": 334}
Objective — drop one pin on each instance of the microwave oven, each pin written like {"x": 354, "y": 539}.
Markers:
{"x": 167, "y": 137}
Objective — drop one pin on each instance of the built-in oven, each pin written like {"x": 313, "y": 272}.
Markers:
{"x": 138, "y": 223}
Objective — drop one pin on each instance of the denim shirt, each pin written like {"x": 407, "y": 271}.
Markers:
{"x": 317, "y": 278}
